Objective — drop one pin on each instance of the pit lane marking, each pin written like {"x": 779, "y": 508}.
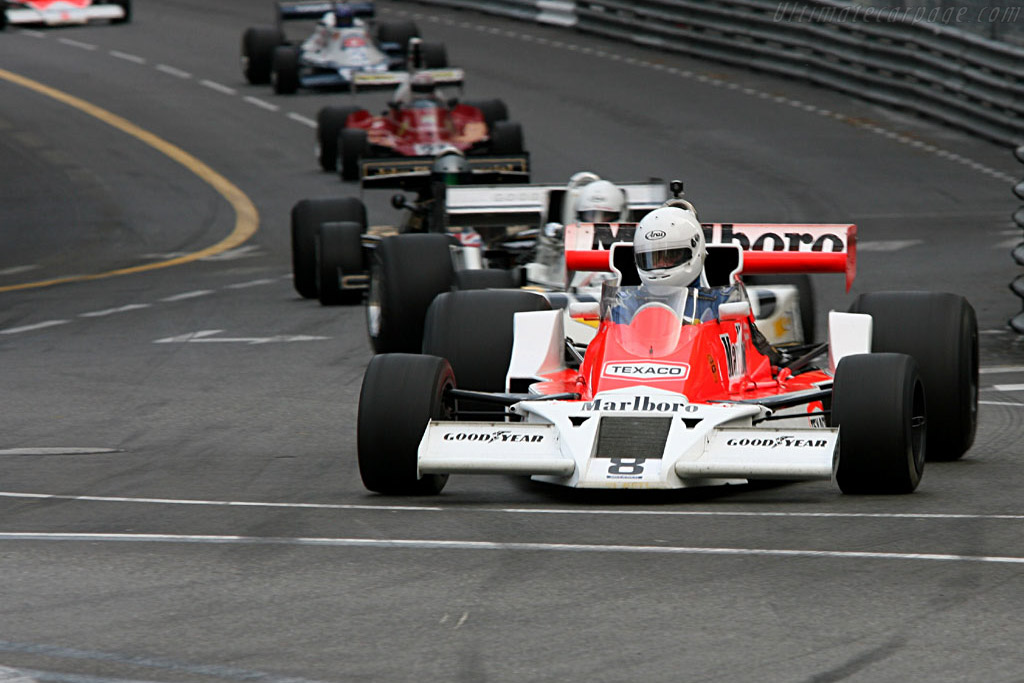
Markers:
{"x": 443, "y": 544}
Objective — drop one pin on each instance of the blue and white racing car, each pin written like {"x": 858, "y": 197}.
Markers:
{"x": 346, "y": 50}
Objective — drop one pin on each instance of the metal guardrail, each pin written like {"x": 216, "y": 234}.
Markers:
{"x": 942, "y": 73}
{"x": 1017, "y": 286}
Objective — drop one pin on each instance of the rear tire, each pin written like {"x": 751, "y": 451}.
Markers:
{"x": 487, "y": 278}
{"x": 406, "y": 273}
{"x": 126, "y": 6}
{"x": 284, "y": 72}
{"x": 492, "y": 110}
{"x": 330, "y": 121}
{"x": 258, "y": 46}
{"x": 435, "y": 56}
{"x": 352, "y": 146}
{"x": 878, "y": 403}
{"x": 339, "y": 254}
{"x": 401, "y": 393}
{"x": 397, "y": 32}
{"x": 506, "y": 138}
{"x": 941, "y": 332}
{"x": 474, "y": 331}
{"x": 306, "y": 218}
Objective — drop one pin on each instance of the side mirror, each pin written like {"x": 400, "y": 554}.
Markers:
{"x": 398, "y": 201}
{"x": 734, "y": 310}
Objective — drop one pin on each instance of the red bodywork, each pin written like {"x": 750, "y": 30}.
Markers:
{"x": 714, "y": 360}
{"x": 709, "y": 361}
{"x": 423, "y": 127}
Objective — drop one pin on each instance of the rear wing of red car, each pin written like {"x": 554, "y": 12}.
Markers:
{"x": 766, "y": 247}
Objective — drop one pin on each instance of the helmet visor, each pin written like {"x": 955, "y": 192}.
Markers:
{"x": 597, "y": 216}
{"x": 664, "y": 258}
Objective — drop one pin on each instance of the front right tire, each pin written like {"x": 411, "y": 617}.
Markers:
{"x": 878, "y": 403}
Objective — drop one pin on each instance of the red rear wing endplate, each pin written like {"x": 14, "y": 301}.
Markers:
{"x": 767, "y": 248}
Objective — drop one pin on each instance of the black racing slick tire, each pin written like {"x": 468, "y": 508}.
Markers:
{"x": 488, "y": 278}
{"x": 352, "y": 145}
{"x": 329, "y": 123}
{"x": 474, "y": 331}
{"x": 397, "y": 32}
{"x": 406, "y": 273}
{"x": 878, "y": 403}
{"x": 126, "y": 7}
{"x": 493, "y": 110}
{"x": 306, "y": 218}
{"x": 940, "y": 331}
{"x": 435, "y": 56}
{"x": 400, "y": 394}
{"x": 506, "y": 138}
{"x": 339, "y": 248}
{"x": 258, "y": 46}
{"x": 284, "y": 70}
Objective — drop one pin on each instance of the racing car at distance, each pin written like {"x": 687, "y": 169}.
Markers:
{"x": 513, "y": 236}
{"x": 347, "y": 49}
{"x": 64, "y": 12}
{"x": 418, "y": 122}
{"x": 331, "y": 244}
{"x": 662, "y": 399}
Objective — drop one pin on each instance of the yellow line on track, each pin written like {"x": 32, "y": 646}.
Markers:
{"x": 246, "y": 217}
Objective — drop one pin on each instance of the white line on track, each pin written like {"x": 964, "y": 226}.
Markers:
{"x": 438, "y": 544}
{"x": 187, "y": 295}
{"x": 173, "y": 71}
{"x": 36, "y": 326}
{"x": 134, "y": 59}
{"x": 75, "y": 43}
{"x": 1008, "y": 387}
{"x": 15, "y": 270}
{"x": 304, "y": 120}
{"x": 262, "y": 104}
{"x": 251, "y": 283}
{"x": 1000, "y": 369}
{"x": 213, "y": 85}
{"x": 516, "y": 511}
{"x": 112, "y": 311}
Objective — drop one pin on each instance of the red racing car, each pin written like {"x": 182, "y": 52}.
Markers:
{"x": 418, "y": 123}
{"x": 64, "y": 12}
{"x": 676, "y": 391}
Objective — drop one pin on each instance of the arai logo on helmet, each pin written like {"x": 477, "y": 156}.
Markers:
{"x": 647, "y": 370}
{"x": 655, "y": 234}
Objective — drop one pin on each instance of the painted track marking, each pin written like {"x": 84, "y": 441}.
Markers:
{"x": 246, "y": 216}
{"x": 442, "y": 544}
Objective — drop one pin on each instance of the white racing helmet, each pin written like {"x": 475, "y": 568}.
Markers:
{"x": 669, "y": 247}
{"x": 600, "y": 202}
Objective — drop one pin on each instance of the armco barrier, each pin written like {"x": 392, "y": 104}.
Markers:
{"x": 955, "y": 77}
{"x": 1017, "y": 286}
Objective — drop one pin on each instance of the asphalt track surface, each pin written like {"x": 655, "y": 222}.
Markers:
{"x": 179, "y": 497}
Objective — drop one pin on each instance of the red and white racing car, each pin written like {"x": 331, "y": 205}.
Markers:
{"x": 64, "y": 12}
{"x": 676, "y": 392}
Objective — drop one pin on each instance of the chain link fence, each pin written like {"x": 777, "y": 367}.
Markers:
{"x": 1001, "y": 20}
